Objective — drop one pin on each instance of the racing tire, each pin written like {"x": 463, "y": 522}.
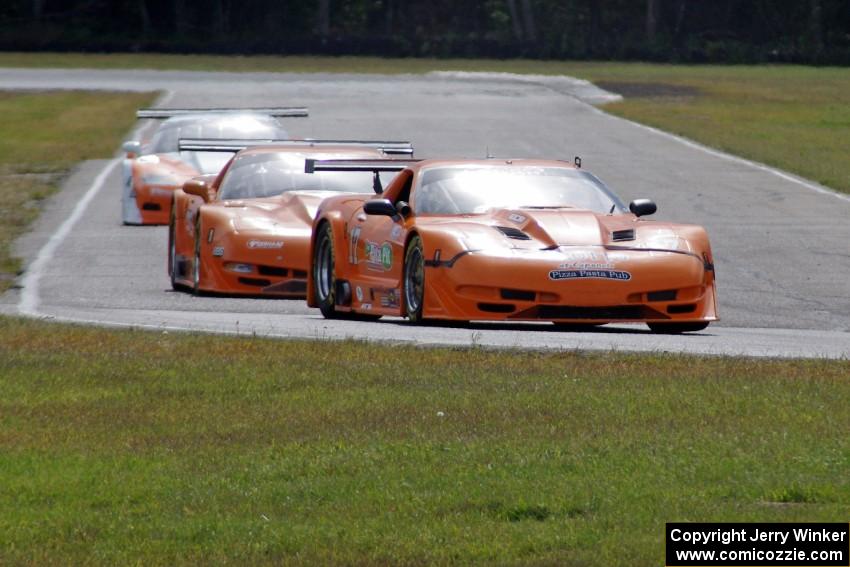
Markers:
{"x": 413, "y": 281}
{"x": 172, "y": 252}
{"x": 677, "y": 328}
{"x": 324, "y": 281}
{"x": 196, "y": 264}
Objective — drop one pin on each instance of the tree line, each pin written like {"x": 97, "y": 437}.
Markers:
{"x": 808, "y": 31}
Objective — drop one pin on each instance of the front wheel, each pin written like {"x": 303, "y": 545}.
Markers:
{"x": 677, "y": 328}
{"x": 414, "y": 280}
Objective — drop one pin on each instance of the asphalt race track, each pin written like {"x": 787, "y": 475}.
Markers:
{"x": 780, "y": 243}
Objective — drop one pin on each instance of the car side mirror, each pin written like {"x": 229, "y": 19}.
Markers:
{"x": 132, "y": 147}
{"x": 380, "y": 207}
{"x": 199, "y": 188}
{"x": 642, "y": 207}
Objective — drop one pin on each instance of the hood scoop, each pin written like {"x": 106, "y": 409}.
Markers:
{"x": 623, "y": 235}
{"x": 512, "y": 232}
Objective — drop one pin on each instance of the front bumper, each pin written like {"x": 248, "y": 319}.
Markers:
{"x": 586, "y": 284}
{"x": 240, "y": 266}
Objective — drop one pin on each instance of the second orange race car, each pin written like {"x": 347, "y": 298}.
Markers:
{"x": 247, "y": 230}
{"x": 153, "y": 170}
{"x": 510, "y": 240}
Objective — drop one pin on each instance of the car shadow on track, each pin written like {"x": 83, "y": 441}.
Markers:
{"x": 524, "y": 327}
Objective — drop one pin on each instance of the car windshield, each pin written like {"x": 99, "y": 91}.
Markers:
{"x": 236, "y": 127}
{"x": 470, "y": 190}
{"x": 206, "y": 162}
{"x": 268, "y": 174}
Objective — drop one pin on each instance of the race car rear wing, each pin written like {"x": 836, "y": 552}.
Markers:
{"x": 373, "y": 165}
{"x": 213, "y": 145}
{"x": 376, "y": 166}
{"x": 276, "y": 111}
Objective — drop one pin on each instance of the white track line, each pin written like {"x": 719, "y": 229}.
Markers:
{"x": 729, "y": 157}
{"x": 595, "y": 95}
{"x": 30, "y": 300}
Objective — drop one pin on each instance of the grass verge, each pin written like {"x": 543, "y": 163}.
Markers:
{"x": 138, "y": 447}
{"x": 42, "y": 135}
{"x": 792, "y": 117}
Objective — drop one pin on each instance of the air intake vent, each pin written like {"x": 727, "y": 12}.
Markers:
{"x": 687, "y": 308}
{"x": 272, "y": 271}
{"x": 522, "y": 294}
{"x": 257, "y": 282}
{"x": 620, "y": 235}
{"x": 512, "y": 232}
{"x": 497, "y": 307}
{"x": 666, "y": 295}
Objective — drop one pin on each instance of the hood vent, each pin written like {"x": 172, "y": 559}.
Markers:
{"x": 621, "y": 235}
{"x": 512, "y": 232}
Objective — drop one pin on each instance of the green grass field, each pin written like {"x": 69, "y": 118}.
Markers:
{"x": 792, "y": 117}
{"x": 149, "y": 448}
{"x": 42, "y": 135}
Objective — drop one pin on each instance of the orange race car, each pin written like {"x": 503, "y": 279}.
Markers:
{"x": 511, "y": 240}
{"x": 152, "y": 171}
{"x": 247, "y": 230}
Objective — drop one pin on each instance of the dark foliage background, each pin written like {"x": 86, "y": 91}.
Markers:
{"x": 808, "y": 31}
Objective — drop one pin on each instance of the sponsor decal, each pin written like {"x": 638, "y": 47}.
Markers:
{"x": 355, "y": 238}
{"x": 379, "y": 255}
{"x": 387, "y": 256}
{"x": 583, "y": 264}
{"x": 517, "y": 218}
{"x": 359, "y": 292}
{"x": 218, "y": 251}
{"x": 585, "y": 256}
{"x": 395, "y": 232}
{"x": 157, "y": 192}
{"x": 587, "y": 266}
{"x": 366, "y": 306}
{"x": 390, "y": 298}
{"x": 586, "y": 260}
{"x": 265, "y": 244}
{"x": 604, "y": 274}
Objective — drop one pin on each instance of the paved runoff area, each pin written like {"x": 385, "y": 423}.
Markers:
{"x": 780, "y": 243}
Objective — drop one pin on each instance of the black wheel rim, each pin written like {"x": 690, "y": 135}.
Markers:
{"x": 414, "y": 280}
{"x": 196, "y": 268}
{"x": 172, "y": 255}
{"x": 324, "y": 269}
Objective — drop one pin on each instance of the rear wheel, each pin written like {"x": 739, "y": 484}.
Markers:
{"x": 196, "y": 264}
{"x": 414, "y": 280}
{"x": 324, "y": 279}
{"x": 323, "y": 273}
{"x": 677, "y": 328}
{"x": 172, "y": 252}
